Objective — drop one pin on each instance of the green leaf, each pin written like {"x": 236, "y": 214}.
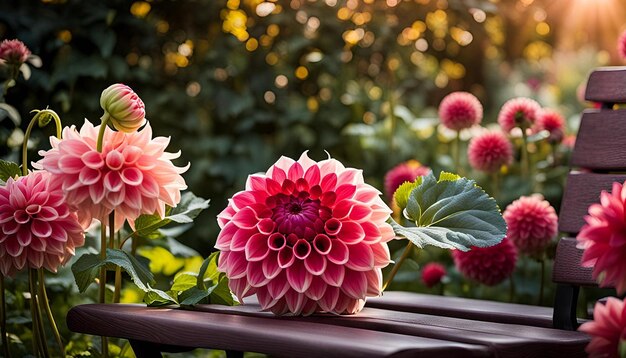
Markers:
{"x": 208, "y": 270}
{"x": 184, "y": 281}
{"x": 146, "y": 225}
{"x": 8, "y": 170}
{"x": 157, "y": 298}
{"x": 87, "y": 268}
{"x": 222, "y": 295}
{"x": 445, "y": 176}
{"x": 194, "y": 295}
{"x": 404, "y": 190}
{"x": 188, "y": 209}
{"x": 452, "y": 214}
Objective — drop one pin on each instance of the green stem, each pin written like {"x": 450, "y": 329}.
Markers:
{"x": 103, "y": 126}
{"x": 456, "y": 153}
{"x": 29, "y": 129}
{"x": 3, "y": 320}
{"x": 103, "y": 256}
{"x": 118, "y": 270}
{"x": 525, "y": 155}
{"x": 542, "y": 281}
{"x": 36, "y": 312}
{"x": 46, "y": 306}
{"x": 396, "y": 267}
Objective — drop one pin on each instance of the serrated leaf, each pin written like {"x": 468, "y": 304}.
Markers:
{"x": 158, "y": 298}
{"x": 87, "y": 268}
{"x": 404, "y": 190}
{"x": 8, "y": 170}
{"x": 451, "y": 214}
{"x": 188, "y": 208}
{"x": 445, "y": 176}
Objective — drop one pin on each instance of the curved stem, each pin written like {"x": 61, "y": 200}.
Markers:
{"x": 37, "y": 119}
{"x": 396, "y": 267}
{"x": 46, "y": 305}
{"x": 36, "y": 312}
{"x": 3, "y": 320}
{"x": 29, "y": 129}
{"x": 103, "y": 127}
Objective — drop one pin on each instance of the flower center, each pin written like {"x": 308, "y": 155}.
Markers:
{"x": 298, "y": 215}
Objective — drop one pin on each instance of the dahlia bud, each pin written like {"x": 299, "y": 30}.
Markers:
{"x": 123, "y": 108}
{"x": 13, "y": 52}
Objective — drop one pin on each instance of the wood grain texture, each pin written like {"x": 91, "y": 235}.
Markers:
{"x": 601, "y": 141}
{"x": 567, "y": 268}
{"x": 582, "y": 190}
{"x": 508, "y": 340}
{"x": 277, "y": 337}
{"x": 607, "y": 85}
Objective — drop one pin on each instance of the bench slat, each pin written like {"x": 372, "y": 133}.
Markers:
{"x": 607, "y": 85}
{"x": 582, "y": 190}
{"x": 506, "y": 339}
{"x": 567, "y": 268}
{"x": 601, "y": 141}
{"x": 278, "y": 337}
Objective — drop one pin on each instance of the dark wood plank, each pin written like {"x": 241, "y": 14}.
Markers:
{"x": 582, "y": 190}
{"x": 278, "y": 337}
{"x": 508, "y": 340}
{"x": 601, "y": 141}
{"x": 567, "y": 268}
{"x": 466, "y": 308}
{"x": 607, "y": 85}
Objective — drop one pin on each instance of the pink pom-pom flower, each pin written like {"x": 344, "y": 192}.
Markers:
{"x": 133, "y": 174}
{"x": 404, "y": 172}
{"x": 621, "y": 45}
{"x": 13, "y": 52}
{"x": 518, "y": 112}
{"x": 123, "y": 108}
{"x": 532, "y": 222}
{"x": 460, "y": 110}
{"x": 487, "y": 265}
{"x": 305, "y": 237}
{"x": 432, "y": 273}
{"x": 607, "y": 330}
{"x": 489, "y": 151}
{"x": 553, "y": 122}
{"x": 603, "y": 238}
{"x": 37, "y": 227}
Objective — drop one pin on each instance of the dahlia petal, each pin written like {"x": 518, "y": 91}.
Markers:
{"x": 254, "y": 273}
{"x": 329, "y": 182}
{"x": 374, "y": 283}
{"x": 334, "y": 274}
{"x": 24, "y": 236}
{"x": 21, "y": 217}
{"x": 245, "y": 218}
{"x": 345, "y": 191}
{"x": 270, "y": 266}
{"x": 132, "y": 176}
{"x": 70, "y": 165}
{"x": 360, "y": 213}
{"x": 38, "y": 243}
{"x": 329, "y": 300}
{"x": 295, "y": 301}
{"x": 299, "y": 278}
{"x": 332, "y": 226}
{"x": 322, "y": 244}
{"x": 286, "y": 257}
{"x": 277, "y": 174}
{"x": 48, "y": 213}
{"x": 92, "y": 159}
{"x": 10, "y": 227}
{"x": 315, "y": 263}
{"x": 361, "y": 257}
{"x": 256, "y": 248}
{"x": 312, "y": 175}
{"x": 278, "y": 286}
{"x": 266, "y": 226}
{"x": 372, "y": 233}
{"x": 255, "y": 183}
{"x": 317, "y": 289}
{"x": 265, "y": 299}
{"x": 240, "y": 239}
{"x": 381, "y": 255}
{"x": 13, "y": 247}
{"x": 243, "y": 199}
{"x": 237, "y": 265}
{"x": 272, "y": 186}
{"x": 276, "y": 241}
{"x": 302, "y": 249}
{"x": 338, "y": 254}
{"x": 302, "y": 185}
{"x": 35, "y": 258}
{"x": 305, "y": 161}
{"x": 328, "y": 198}
{"x": 283, "y": 163}
{"x": 97, "y": 193}
{"x": 41, "y": 228}
{"x": 113, "y": 182}
{"x": 351, "y": 233}
{"x": 241, "y": 288}
{"x": 88, "y": 176}
{"x": 116, "y": 198}
{"x": 295, "y": 172}
{"x": 354, "y": 284}
{"x": 149, "y": 187}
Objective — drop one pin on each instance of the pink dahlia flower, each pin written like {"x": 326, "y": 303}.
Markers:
{"x": 432, "y": 274}
{"x": 123, "y": 108}
{"x": 404, "y": 172}
{"x": 13, "y": 52}
{"x": 604, "y": 238}
{"x": 38, "y": 228}
{"x": 518, "y": 112}
{"x": 133, "y": 174}
{"x": 487, "y": 265}
{"x": 460, "y": 110}
{"x": 532, "y": 222}
{"x": 305, "y": 237}
{"x": 490, "y": 151}
{"x": 607, "y": 330}
{"x": 553, "y": 122}
{"x": 621, "y": 45}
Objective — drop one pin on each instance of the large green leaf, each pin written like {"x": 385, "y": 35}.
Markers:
{"x": 87, "y": 268}
{"x": 8, "y": 170}
{"x": 452, "y": 213}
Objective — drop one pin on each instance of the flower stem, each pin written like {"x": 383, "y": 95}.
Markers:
{"x": 542, "y": 261}
{"x": 46, "y": 306}
{"x": 456, "y": 153}
{"x": 396, "y": 267}
{"x": 29, "y": 129}
{"x": 3, "y": 320}
{"x": 37, "y": 118}
{"x": 118, "y": 270}
{"x": 525, "y": 155}
{"x": 103, "y": 126}
{"x": 103, "y": 256}
{"x": 36, "y": 313}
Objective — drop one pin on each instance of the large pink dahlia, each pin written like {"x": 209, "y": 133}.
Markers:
{"x": 518, "y": 112}
{"x": 133, "y": 174}
{"x": 38, "y": 228}
{"x": 604, "y": 238}
{"x": 607, "y": 330}
{"x": 489, "y": 151}
{"x": 460, "y": 110}
{"x": 487, "y": 265}
{"x": 401, "y": 173}
{"x": 305, "y": 237}
{"x": 531, "y": 223}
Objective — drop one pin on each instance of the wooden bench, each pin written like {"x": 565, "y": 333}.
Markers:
{"x": 401, "y": 323}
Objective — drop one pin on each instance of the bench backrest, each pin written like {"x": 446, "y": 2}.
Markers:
{"x": 598, "y": 160}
